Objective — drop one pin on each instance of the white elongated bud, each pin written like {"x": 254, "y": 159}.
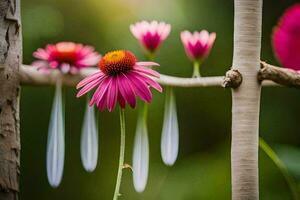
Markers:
{"x": 89, "y": 140}
{"x": 141, "y": 155}
{"x": 56, "y": 140}
{"x": 170, "y": 132}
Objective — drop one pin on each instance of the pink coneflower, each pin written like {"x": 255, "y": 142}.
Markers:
{"x": 120, "y": 79}
{"x": 150, "y": 34}
{"x": 67, "y": 57}
{"x": 286, "y": 38}
{"x": 198, "y": 44}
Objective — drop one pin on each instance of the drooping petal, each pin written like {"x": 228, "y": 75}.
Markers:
{"x": 126, "y": 90}
{"x": 140, "y": 161}
{"x": 89, "y": 140}
{"x": 112, "y": 94}
{"x": 148, "y": 80}
{"x": 170, "y": 132}
{"x": 56, "y": 140}
{"x": 89, "y": 79}
{"x": 121, "y": 100}
{"x": 147, "y": 64}
{"x": 41, "y": 54}
{"x": 101, "y": 98}
{"x": 141, "y": 89}
{"x": 146, "y": 71}
{"x": 89, "y": 86}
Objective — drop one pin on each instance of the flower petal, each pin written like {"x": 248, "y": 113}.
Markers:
{"x": 56, "y": 140}
{"x": 140, "y": 157}
{"x": 170, "y": 132}
{"x": 89, "y": 140}
{"x": 148, "y": 80}
{"x": 112, "y": 94}
{"x": 147, "y": 64}
{"x": 140, "y": 87}
{"x": 101, "y": 90}
{"x": 146, "y": 71}
{"x": 89, "y": 79}
{"x": 126, "y": 90}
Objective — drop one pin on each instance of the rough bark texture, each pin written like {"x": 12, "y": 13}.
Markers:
{"x": 282, "y": 76}
{"x": 232, "y": 79}
{"x": 10, "y": 60}
{"x": 246, "y": 100}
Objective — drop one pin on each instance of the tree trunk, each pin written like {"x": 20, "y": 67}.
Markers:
{"x": 10, "y": 61}
{"x": 246, "y": 100}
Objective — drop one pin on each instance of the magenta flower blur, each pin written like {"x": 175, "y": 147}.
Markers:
{"x": 68, "y": 57}
{"x": 286, "y": 38}
{"x": 120, "y": 79}
{"x": 197, "y": 45}
{"x": 150, "y": 34}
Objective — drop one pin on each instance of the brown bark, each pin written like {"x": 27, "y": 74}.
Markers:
{"x": 282, "y": 76}
{"x": 10, "y": 61}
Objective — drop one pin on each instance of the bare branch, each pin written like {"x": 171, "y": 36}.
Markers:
{"x": 30, "y": 76}
{"x": 279, "y": 75}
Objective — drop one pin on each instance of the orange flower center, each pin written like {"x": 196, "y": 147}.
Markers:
{"x": 66, "y": 52}
{"x": 117, "y": 62}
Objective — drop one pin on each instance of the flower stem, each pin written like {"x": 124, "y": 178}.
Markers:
{"x": 145, "y": 112}
{"x": 281, "y": 166}
{"x": 196, "y": 72}
{"x": 122, "y": 154}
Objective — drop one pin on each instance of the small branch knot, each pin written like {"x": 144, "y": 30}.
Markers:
{"x": 232, "y": 79}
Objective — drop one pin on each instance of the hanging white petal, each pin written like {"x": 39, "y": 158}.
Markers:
{"x": 89, "y": 140}
{"x": 170, "y": 132}
{"x": 56, "y": 140}
{"x": 140, "y": 155}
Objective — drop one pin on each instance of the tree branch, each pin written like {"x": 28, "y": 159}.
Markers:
{"x": 282, "y": 76}
{"x": 30, "y": 76}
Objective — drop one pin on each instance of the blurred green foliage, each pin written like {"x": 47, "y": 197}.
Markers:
{"x": 203, "y": 168}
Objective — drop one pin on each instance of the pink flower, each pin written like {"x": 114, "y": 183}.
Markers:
{"x": 197, "y": 45}
{"x": 150, "y": 34}
{"x": 286, "y": 38}
{"x": 67, "y": 57}
{"x": 120, "y": 79}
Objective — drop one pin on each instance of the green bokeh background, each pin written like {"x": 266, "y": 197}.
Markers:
{"x": 202, "y": 170}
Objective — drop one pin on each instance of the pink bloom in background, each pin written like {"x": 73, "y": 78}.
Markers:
{"x": 68, "y": 57}
{"x": 286, "y": 38}
{"x": 120, "y": 79}
{"x": 150, "y": 34}
{"x": 197, "y": 45}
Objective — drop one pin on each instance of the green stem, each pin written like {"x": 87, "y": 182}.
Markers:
{"x": 150, "y": 56}
{"x": 196, "y": 72}
{"x": 122, "y": 154}
{"x": 281, "y": 166}
{"x": 145, "y": 112}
